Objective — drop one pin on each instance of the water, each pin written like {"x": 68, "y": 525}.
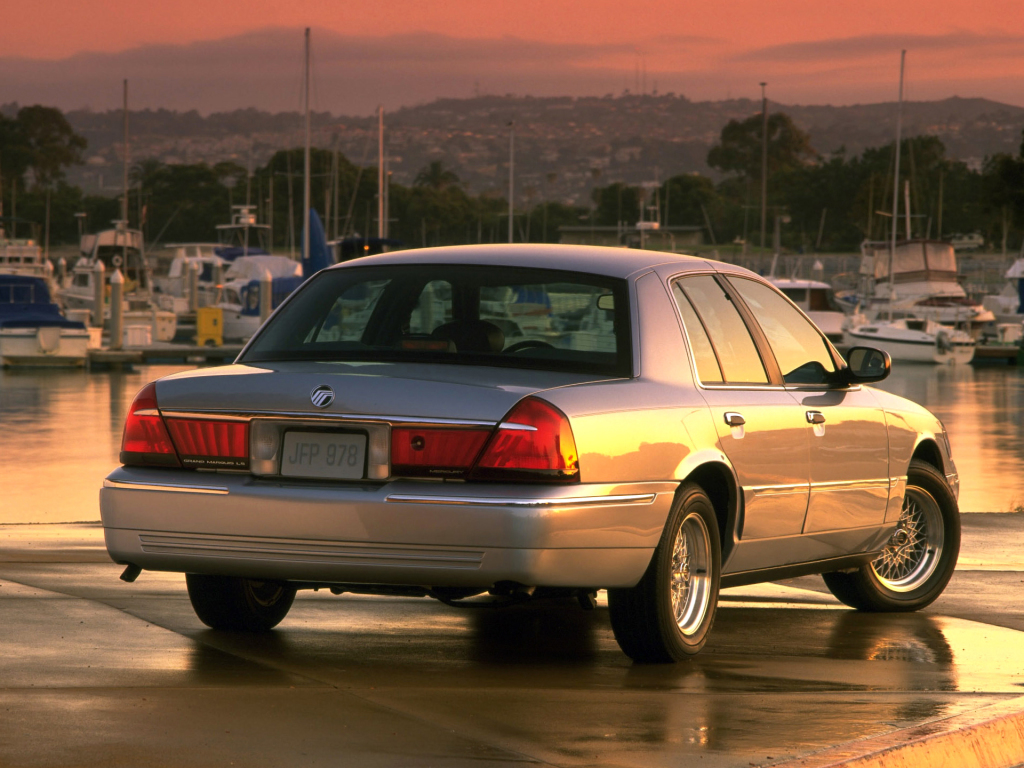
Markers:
{"x": 60, "y": 434}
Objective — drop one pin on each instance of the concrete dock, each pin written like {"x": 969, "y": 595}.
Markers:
{"x": 95, "y": 671}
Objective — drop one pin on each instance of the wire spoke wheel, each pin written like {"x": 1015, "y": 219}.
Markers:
{"x": 690, "y": 574}
{"x": 915, "y": 548}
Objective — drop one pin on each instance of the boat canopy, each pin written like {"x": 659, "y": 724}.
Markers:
{"x": 916, "y": 260}
{"x": 252, "y": 267}
{"x": 25, "y": 303}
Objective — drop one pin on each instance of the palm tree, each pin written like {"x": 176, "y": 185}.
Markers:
{"x": 436, "y": 177}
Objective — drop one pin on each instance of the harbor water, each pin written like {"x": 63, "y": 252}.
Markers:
{"x": 61, "y": 434}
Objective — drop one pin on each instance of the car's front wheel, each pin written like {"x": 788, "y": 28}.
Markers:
{"x": 918, "y": 559}
{"x": 230, "y": 602}
{"x": 668, "y": 615}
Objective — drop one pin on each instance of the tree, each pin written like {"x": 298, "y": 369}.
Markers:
{"x": 436, "y": 177}
{"x": 48, "y": 142}
{"x": 739, "y": 149}
{"x": 683, "y": 196}
{"x": 616, "y": 203}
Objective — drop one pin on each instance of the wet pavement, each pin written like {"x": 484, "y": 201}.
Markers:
{"x": 94, "y": 671}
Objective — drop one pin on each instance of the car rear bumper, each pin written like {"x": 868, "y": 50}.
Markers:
{"x": 397, "y": 533}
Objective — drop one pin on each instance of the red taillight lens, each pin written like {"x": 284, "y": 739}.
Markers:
{"x": 211, "y": 444}
{"x": 534, "y": 442}
{"x": 145, "y": 441}
{"x": 435, "y": 452}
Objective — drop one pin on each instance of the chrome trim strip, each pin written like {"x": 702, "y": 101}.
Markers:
{"x": 852, "y": 485}
{"x": 131, "y": 485}
{"x": 496, "y": 501}
{"x": 777, "y": 490}
{"x": 330, "y": 417}
{"x": 511, "y": 425}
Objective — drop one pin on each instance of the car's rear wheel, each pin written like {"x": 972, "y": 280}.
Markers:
{"x": 918, "y": 559}
{"x": 229, "y": 602}
{"x": 668, "y": 615}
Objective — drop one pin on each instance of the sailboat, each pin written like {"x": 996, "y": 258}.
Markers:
{"x": 118, "y": 248}
{"x": 911, "y": 332}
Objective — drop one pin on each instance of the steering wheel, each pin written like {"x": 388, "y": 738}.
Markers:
{"x": 526, "y": 344}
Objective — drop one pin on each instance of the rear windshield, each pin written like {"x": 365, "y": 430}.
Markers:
{"x": 467, "y": 315}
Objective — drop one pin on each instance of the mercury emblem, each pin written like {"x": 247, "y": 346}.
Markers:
{"x": 322, "y": 396}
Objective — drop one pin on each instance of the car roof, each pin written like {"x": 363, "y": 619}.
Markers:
{"x": 611, "y": 262}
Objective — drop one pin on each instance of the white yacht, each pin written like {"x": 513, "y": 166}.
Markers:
{"x": 118, "y": 248}
{"x": 914, "y": 340}
{"x": 170, "y": 280}
{"x": 239, "y": 294}
{"x": 33, "y": 332}
{"x": 922, "y": 283}
{"x": 818, "y": 302}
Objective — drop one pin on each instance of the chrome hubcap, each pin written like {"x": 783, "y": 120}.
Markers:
{"x": 913, "y": 551}
{"x": 690, "y": 575}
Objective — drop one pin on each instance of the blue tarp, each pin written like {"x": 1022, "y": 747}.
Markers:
{"x": 280, "y": 288}
{"x": 25, "y": 303}
{"x": 319, "y": 253}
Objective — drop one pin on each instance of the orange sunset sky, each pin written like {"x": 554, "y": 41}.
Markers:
{"x": 809, "y": 52}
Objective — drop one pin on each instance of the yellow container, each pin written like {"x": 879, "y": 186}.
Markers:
{"x": 209, "y": 326}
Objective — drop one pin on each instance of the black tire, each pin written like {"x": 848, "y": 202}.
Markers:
{"x": 229, "y": 602}
{"x": 920, "y": 557}
{"x": 644, "y": 617}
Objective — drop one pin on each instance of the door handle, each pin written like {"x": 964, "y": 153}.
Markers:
{"x": 734, "y": 419}
{"x": 815, "y": 417}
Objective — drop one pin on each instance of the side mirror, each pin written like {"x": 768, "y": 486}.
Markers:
{"x": 606, "y": 301}
{"x": 866, "y": 365}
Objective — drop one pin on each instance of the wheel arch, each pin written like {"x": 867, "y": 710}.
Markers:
{"x": 718, "y": 482}
{"x": 928, "y": 451}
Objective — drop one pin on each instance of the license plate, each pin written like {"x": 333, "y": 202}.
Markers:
{"x": 331, "y": 455}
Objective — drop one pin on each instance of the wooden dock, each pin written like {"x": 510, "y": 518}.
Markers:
{"x": 161, "y": 352}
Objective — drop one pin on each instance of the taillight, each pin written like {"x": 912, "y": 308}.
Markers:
{"x": 145, "y": 441}
{"x": 211, "y": 444}
{"x": 533, "y": 442}
{"x": 435, "y": 452}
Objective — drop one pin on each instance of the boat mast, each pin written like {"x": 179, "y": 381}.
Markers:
{"x": 380, "y": 172}
{"x": 764, "y": 166}
{"x": 896, "y": 186}
{"x": 511, "y": 175}
{"x": 306, "y": 177}
{"x": 124, "y": 206}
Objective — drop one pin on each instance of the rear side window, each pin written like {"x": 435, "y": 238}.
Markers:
{"x": 735, "y": 352}
{"x": 704, "y": 356}
{"x": 467, "y": 315}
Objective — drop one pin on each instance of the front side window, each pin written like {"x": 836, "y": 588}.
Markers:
{"x": 712, "y": 312}
{"x": 798, "y": 347}
{"x": 445, "y": 313}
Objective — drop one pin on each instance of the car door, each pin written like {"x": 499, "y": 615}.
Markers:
{"x": 761, "y": 427}
{"x": 849, "y": 449}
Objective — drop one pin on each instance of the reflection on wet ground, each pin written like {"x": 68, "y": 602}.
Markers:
{"x": 62, "y": 435}
{"x": 981, "y": 408}
{"x": 128, "y": 669}
{"x": 62, "y": 432}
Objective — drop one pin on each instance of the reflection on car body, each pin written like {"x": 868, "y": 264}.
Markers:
{"x": 535, "y": 420}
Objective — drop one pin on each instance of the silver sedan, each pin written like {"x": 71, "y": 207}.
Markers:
{"x": 505, "y": 423}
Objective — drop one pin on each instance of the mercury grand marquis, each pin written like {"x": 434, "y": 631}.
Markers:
{"x": 504, "y": 423}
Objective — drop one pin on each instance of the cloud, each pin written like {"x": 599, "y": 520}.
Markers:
{"x": 870, "y": 46}
{"x": 353, "y": 74}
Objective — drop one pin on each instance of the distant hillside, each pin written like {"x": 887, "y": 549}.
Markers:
{"x": 564, "y": 146}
